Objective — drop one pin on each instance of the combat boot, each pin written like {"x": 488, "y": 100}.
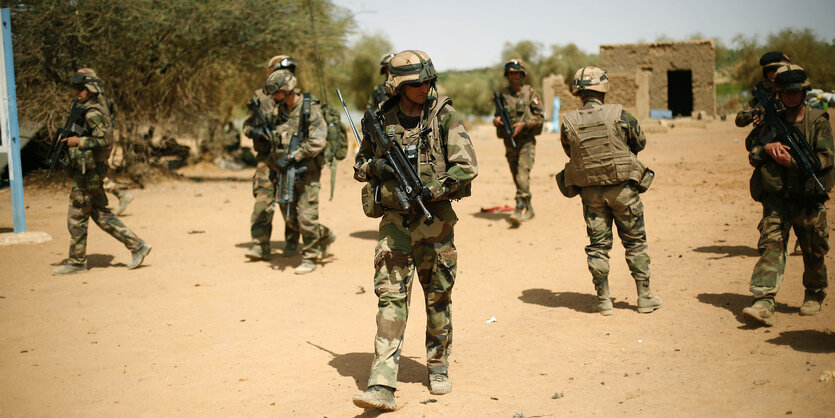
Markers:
{"x": 139, "y": 255}
{"x": 70, "y": 269}
{"x": 646, "y": 301}
{"x": 377, "y": 396}
{"x": 439, "y": 384}
{"x": 305, "y": 267}
{"x": 258, "y": 252}
{"x": 812, "y": 303}
{"x": 516, "y": 217}
{"x": 290, "y": 249}
{"x": 124, "y": 201}
{"x": 604, "y": 302}
{"x": 529, "y": 213}
{"x": 761, "y": 312}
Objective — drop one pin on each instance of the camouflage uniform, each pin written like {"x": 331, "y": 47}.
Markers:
{"x": 304, "y": 209}
{"x": 607, "y": 199}
{"x": 791, "y": 201}
{"x": 408, "y": 246}
{"x": 263, "y": 187}
{"x": 524, "y": 106}
{"x": 87, "y": 164}
{"x": 378, "y": 95}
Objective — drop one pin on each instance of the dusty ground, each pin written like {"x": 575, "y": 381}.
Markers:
{"x": 198, "y": 331}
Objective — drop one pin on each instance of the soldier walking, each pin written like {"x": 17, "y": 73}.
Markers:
{"x": 791, "y": 200}
{"x": 437, "y": 145}
{"x": 308, "y": 159}
{"x": 86, "y": 161}
{"x": 602, "y": 142}
{"x": 525, "y": 110}
{"x": 263, "y": 184}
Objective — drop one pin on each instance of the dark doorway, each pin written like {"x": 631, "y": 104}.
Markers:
{"x": 680, "y": 92}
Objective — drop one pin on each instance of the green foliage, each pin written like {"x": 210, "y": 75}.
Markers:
{"x": 191, "y": 61}
{"x": 364, "y": 68}
{"x": 804, "y": 47}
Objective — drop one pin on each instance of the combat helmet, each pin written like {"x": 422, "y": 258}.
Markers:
{"x": 384, "y": 62}
{"x": 590, "y": 78}
{"x": 281, "y": 62}
{"x": 515, "y": 64}
{"x": 87, "y": 78}
{"x": 410, "y": 66}
{"x": 791, "y": 77}
{"x": 282, "y": 80}
{"x": 773, "y": 60}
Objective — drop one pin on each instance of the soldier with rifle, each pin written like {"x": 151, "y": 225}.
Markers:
{"x": 263, "y": 119}
{"x": 519, "y": 117}
{"x": 793, "y": 160}
{"x": 415, "y": 158}
{"x": 86, "y": 141}
{"x": 380, "y": 94}
{"x": 300, "y": 167}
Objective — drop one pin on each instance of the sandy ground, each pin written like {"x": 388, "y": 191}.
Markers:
{"x": 198, "y": 331}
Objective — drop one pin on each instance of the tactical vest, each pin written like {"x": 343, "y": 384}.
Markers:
{"x": 599, "y": 153}
{"x": 424, "y": 145}
{"x": 96, "y": 158}
{"x": 518, "y": 108}
{"x": 774, "y": 178}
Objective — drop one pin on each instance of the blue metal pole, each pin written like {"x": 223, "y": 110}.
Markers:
{"x": 15, "y": 172}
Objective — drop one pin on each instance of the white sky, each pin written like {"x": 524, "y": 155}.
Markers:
{"x": 465, "y": 34}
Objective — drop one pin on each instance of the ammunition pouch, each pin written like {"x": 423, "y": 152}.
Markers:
{"x": 567, "y": 191}
{"x": 370, "y": 206}
{"x": 646, "y": 180}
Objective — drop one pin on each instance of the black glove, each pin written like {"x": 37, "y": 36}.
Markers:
{"x": 283, "y": 162}
{"x": 381, "y": 169}
{"x": 256, "y": 133}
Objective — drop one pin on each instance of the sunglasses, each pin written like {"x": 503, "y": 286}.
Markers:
{"x": 418, "y": 83}
{"x": 270, "y": 89}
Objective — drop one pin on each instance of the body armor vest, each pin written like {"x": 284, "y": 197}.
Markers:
{"x": 599, "y": 153}
{"x": 424, "y": 144}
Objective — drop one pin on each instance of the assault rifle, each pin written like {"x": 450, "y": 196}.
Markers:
{"x": 801, "y": 152}
{"x": 287, "y": 177}
{"x": 73, "y": 127}
{"x": 502, "y": 111}
{"x": 262, "y": 126}
{"x": 409, "y": 189}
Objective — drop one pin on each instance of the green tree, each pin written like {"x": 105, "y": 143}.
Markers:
{"x": 364, "y": 68}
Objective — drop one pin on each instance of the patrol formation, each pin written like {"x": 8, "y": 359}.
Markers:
{"x": 415, "y": 159}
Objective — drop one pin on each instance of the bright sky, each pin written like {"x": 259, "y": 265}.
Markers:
{"x": 465, "y": 34}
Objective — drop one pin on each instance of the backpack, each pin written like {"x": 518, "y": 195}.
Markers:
{"x": 336, "y": 146}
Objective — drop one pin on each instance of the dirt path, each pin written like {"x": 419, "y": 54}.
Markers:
{"x": 197, "y": 331}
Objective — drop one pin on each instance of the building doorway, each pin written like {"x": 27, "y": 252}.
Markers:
{"x": 680, "y": 92}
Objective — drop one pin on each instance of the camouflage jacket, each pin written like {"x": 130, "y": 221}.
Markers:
{"x": 771, "y": 177}
{"x": 272, "y": 114}
{"x": 93, "y": 150}
{"x": 447, "y": 162}
{"x": 378, "y": 95}
{"x": 524, "y": 106}
{"x": 311, "y": 147}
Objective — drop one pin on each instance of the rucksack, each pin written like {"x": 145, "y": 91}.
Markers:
{"x": 336, "y": 146}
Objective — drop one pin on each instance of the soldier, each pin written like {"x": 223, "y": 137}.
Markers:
{"x": 304, "y": 208}
{"x": 750, "y": 113}
{"x": 263, "y": 185}
{"x": 791, "y": 200}
{"x": 380, "y": 94}
{"x": 525, "y": 110}
{"x": 86, "y": 161}
{"x": 436, "y": 143}
{"x": 602, "y": 142}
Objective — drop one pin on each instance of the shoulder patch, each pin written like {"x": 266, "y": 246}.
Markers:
{"x": 536, "y": 100}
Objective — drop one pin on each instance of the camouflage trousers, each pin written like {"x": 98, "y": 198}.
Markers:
{"x": 408, "y": 246}
{"x": 622, "y": 204}
{"x": 521, "y": 161}
{"x": 304, "y": 215}
{"x": 261, "y": 220}
{"x": 780, "y": 215}
{"x": 86, "y": 203}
